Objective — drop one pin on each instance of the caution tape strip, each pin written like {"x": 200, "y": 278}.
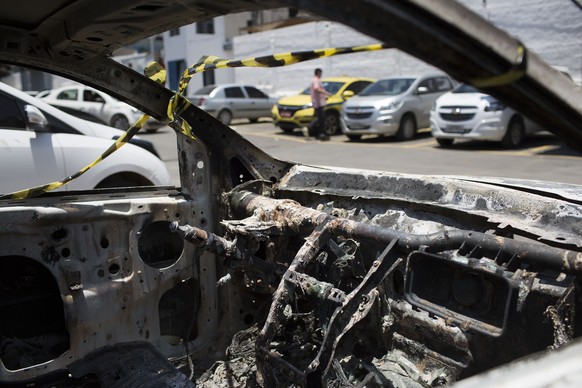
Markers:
{"x": 178, "y": 103}
{"x": 155, "y": 72}
{"x": 516, "y": 72}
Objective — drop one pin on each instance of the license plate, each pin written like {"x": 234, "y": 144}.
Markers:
{"x": 455, "y": 129}
{"x": 285, "y": 114}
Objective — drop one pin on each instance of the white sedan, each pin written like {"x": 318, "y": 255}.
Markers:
{"x": 34, "y": 151}
{"x": 111, "y": 111}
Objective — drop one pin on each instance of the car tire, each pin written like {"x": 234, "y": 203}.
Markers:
{"x": 120, "y": 122}
{"x": 225, "y": 116}
{"x": 407, "y": 128}
{"x": 515, "y": 133}
{"x": 332, "y": 124}
{"x": 126, "y": 179}
{"x": 445, "y": 142}
{"x": 354, "y": 137}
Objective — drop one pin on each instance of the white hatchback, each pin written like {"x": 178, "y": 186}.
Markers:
{"x": 36, "y": 149}
{"x": 467, "y": 113}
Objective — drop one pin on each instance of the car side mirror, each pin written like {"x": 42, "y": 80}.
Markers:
{"x": 347, "y": 94}
{"x": 35, "y": 119}
{"x": 422, "y": 90}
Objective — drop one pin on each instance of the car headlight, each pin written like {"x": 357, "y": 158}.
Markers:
{"x": 394, "y": 105}
{"x": 433, "y": 108}
{"x": 492, "y": 104}
{"x": 307, "y": 106}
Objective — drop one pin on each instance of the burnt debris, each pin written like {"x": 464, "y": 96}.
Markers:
{"x": 354, "y": 303}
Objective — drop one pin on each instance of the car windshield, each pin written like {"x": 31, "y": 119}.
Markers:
{"x": 331, "y": 87}
{"x": 205, "y": 90}
{"x": 388, "y": 87}
{"x": 465, "y": 88}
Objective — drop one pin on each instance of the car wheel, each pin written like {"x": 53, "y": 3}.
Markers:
{"x": 120, "y": 122}
{"x": 515, "y": 133}
{"x": 127, "y": 179}
{"x": 445, "y": 142}
{"x": 331, "y": 123}
{"x": 407, "y": 129}
{"x": 354, "y": 137}
{"x": 225, "y": 116}
{"x": 287, "y": 130}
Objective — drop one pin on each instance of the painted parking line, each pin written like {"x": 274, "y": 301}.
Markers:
{"x": 427, "y": 143}
{"x": 537, "y": 150}
{"x": 296, "y": 139}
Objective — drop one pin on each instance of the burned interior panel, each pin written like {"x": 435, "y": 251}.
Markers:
{"x": 83, "y": 274}
{"x": 429, "y": 294}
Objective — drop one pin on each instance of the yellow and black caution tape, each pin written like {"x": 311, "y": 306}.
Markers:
{"x": 155, "y": 72}
{"x": 178, "y": 103}
{"x": 516, "y": 71}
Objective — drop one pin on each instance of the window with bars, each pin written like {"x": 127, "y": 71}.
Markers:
{"x": 206, "y": 27}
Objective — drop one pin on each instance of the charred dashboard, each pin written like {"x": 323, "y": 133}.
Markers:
{"x": 371, "y": 278}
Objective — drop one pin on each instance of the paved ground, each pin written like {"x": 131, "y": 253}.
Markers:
{"x": 542, "y": 157}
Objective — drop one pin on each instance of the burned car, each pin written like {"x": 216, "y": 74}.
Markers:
{"x": 263, "y": 272}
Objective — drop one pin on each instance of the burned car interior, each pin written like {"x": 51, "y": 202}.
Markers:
{"x": 263, "y": 272}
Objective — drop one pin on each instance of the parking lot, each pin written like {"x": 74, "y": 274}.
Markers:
{"x": 541, "y": 157}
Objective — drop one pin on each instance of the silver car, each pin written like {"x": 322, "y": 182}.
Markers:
{"x": 233, "y": 101}
{"x": 395, "y": 106}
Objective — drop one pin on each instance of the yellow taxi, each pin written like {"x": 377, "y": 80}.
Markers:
{"x": 297, "y": 111}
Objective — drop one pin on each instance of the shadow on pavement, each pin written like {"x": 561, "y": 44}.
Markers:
{"x": 548, "y": 144}
{"x": 373, "y": 139}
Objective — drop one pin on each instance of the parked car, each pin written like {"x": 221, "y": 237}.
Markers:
{"x": 38, "y": 147}
{"x": 78, "y": 122}
{"x": 113, "y": 112}
{"x": 233, "y": 101}
{"x": 42, "y": 93}
{"x": 297, "y": 111}
{"x": 467, "y": 113}
{"x": 395, "y": 106}
{"x": 80, "y": 114}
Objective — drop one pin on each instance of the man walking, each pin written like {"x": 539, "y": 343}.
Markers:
{"x": 318, "y": 97}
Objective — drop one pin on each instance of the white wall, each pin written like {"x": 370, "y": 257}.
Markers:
{"x": 286, "y": 80}
{"x": 551, "y": 28}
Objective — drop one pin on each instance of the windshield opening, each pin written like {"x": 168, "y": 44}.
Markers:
{"x": 388, "y": 87}
{"x": 332, "y": 87}
{"x": 464, "y": 88}
{"x": 205, "y": 90}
